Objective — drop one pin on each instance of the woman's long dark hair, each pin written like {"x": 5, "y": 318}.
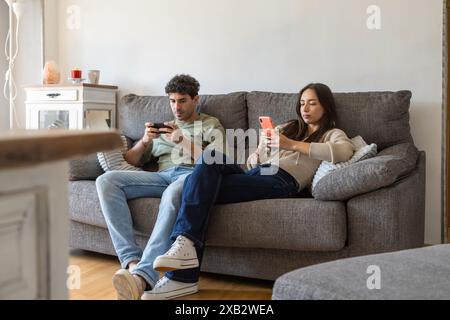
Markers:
{"x": 298, "y": 130}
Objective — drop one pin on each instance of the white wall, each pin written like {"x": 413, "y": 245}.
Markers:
{"x": 51, "y": 27}
{"x": 4, "y": 106}
{"x": 270, "y": 45}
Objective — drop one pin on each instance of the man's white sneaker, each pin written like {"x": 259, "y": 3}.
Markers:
{"x": 126, "y": 285}
{"x": 170, "y": 289}
{"x": 181, "y": 255}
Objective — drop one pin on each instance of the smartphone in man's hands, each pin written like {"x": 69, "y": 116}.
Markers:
{"x": 160, "y": 125}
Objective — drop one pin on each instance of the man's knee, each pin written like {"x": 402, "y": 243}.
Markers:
{"x": 105, "y": 180}
{"x": 173, "y": 192}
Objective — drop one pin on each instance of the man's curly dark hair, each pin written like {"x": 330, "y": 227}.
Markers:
{"x": 184, "y": 84}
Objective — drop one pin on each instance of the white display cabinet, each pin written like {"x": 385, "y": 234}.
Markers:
{"x": 78, "y": 106}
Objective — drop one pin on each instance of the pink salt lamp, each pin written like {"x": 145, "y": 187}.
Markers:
{"x": 51, "y": 74}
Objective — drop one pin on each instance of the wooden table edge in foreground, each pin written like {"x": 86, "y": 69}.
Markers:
{"x": 34, "y": 209}
{"x": 19, "y": 148}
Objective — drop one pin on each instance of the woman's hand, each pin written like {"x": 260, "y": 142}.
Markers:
{"x": 278, "y": 140}
{"x": 263, "y": 141}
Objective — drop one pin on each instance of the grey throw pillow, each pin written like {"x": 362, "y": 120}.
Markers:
{"x": 114, "y": 160}
{"x": 362, "y": 151}
{"x": 389, "y": 166}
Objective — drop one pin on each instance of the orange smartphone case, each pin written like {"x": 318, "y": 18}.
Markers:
{"x": 266, "y": 123}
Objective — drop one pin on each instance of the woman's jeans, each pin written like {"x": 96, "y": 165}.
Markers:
{"x": 221, "y": 183}
{"x": 115, "y": 188}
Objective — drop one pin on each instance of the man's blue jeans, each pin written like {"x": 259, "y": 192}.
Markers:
{"x": 115, "y": 188}
{"x": 221, "y": 183}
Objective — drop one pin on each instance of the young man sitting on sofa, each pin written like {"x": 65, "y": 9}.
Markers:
{"x": 114, "y": 188}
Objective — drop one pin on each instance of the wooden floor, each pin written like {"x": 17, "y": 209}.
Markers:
{"x": 97, "y": 270}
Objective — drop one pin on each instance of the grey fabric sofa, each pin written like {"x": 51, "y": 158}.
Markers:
{"x": 422, "y": 273}
{"x": 376, "y": 205}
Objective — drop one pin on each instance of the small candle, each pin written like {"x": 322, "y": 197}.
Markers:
{"x": 75, "y": 74}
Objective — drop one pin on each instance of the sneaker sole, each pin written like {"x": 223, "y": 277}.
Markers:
{"x": 167, "y": 264}
{"x": 171, "y": 295}
{"x": 125, "y": 286}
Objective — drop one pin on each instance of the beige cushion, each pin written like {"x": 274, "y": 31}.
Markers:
{"x": 114, "y": 160}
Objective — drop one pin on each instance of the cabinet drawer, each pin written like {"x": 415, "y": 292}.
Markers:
{"x": 52, "y": 95}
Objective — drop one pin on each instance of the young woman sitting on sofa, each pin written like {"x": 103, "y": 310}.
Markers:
{"x": 301, "y": 143}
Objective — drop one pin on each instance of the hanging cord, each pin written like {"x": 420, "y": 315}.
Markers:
{"x": 9, "y": 76}
{"x": 8, "y": 71}
{"x": 6, "y": 45}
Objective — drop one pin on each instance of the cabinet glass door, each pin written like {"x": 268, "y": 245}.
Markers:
{"x": 49, "y": 119}
{"x": 98, "y": 119}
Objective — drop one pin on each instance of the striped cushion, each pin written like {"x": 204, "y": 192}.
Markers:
{"x": 362, "y": 151}
{"x": 114, "y": 160}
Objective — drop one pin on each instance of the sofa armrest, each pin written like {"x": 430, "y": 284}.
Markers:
{"x": 389, "y": 166}
{"x": 86, "y": 168}
{"x": 391, "y": 218}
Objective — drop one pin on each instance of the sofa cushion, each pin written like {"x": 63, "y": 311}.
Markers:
{"x": 134, "y": 111}
{"x": 230, "y": 109}
{"x": 279, "y": 106}
{"x": 408, "y": 274}
{"x": 84, "y": 206}
{"x": 389, "y": 166}
{"x": 291, "y": 224}
{"x": 379, "y": 117}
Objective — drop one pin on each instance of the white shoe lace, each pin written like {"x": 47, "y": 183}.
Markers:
{"x": 161, "y": 282}
{"x": 176, "y": 246}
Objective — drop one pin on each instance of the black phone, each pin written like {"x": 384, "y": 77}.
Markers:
{"x": 160, "y": 125}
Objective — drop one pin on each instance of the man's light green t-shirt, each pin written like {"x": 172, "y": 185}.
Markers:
{"x": 205, "y": 131}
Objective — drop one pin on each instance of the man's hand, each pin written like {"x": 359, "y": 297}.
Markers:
{"x": 150, "y": 133}
{"x": 134, "y": 155}
{"x": 173, "y": 133}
